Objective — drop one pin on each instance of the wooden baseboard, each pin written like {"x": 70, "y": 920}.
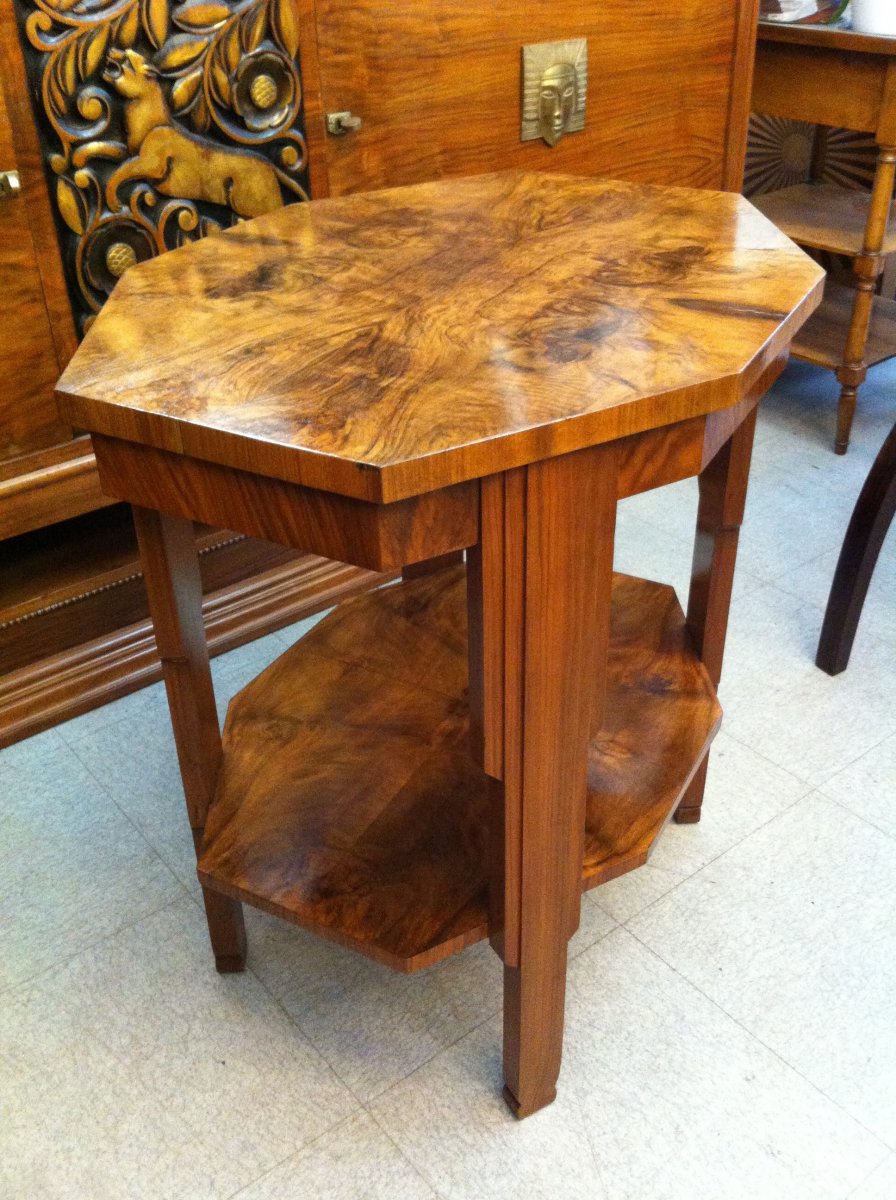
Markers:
{"x": 54, "y": 689}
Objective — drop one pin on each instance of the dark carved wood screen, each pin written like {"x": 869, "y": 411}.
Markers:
{"x": 161, "y": 122}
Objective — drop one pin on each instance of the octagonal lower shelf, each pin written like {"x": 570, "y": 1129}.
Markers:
{"x": 348, "y": 802}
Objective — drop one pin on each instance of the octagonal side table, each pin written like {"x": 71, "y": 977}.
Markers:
{"x": 458, "y": 379}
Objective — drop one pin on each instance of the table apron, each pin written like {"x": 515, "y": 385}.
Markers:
{"x": 380, "y": 537}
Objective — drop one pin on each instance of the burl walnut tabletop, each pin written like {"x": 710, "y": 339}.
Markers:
{"x": 387, "y": 344}
{"x": 459, "y": 380}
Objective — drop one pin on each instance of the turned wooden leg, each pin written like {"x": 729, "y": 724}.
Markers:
{"x": 720, "y": 512}
{"x": 540, "y": 600}
{"x": 868, "y": 526}
{"x": 174, "y": 588}
{"x": 867, "y": 266}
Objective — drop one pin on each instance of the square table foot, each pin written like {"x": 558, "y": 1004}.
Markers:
{"x": 526, "y": 1110}
{"x": 687, "y": 816}
{"x": 229, "y": 965}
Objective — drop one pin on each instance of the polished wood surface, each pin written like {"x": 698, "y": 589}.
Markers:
{"x": 437, "y": 85}
{"x": 74, "y": 628}
{"x": 378, "y": 537}
{"x": 822, "y": 37}
{"x": 29, "y": 366}
{"x": 500, "y": 339}
{"x": 868, "y": 527}
{"x": 638, "y": 306}
{"x": 720, "y": 512}
{"x": 174, "y": 589}
{"x": 824, "y": 217}
{"x": 840, "y": 79}
{"x": 548, "y": 607}
{"x": 822, "y": 340}
{"x": 375, "y": 835}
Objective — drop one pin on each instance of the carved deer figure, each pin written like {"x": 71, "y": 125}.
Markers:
{"x": 180, "y": 163}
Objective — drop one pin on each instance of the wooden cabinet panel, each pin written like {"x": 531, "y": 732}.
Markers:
{"x": 437, "y": 85}
{"x": 28, "y": 363}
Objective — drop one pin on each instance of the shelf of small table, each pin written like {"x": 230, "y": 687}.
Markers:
{"x": 823, "y": 216}
{"x": 348, "y": 801}
{"x": 823, "y": 338}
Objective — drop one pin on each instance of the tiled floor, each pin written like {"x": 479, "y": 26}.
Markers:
{"x": 731, "y": 1029}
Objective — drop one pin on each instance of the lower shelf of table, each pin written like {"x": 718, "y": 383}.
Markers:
{"x": 348, "y": 801}
{"x": 822, "y": 339}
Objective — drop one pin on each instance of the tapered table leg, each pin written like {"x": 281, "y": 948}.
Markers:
{"x": 720, "y": 513}
{"x": 174, "y": 589}
{"x": 540, "y": 604}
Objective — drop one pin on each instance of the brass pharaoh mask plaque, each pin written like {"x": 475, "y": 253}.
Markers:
{"x": 555, "y": 82}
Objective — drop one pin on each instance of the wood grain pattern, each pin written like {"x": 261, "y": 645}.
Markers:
{"x": 174, "y": 590}
{"x": 49, "y": 486}
{"x": 377, "y": 839}
{"x": 379, "y": 537}
{"x": 631, "y": 794}
{"x": 839, "y": 80}
{"x": 741, "y": 87}
{"x": 556, "y": 616}
{"x": 822, "y": 340}
{"x": 437, "y": 85}
{"x": 720, "y": 513}
{"x": 821, "y": 37}
{"x": 825, "y": 217}
{"x": 387, "y": 345}
{"x": 88, "y": 652}
{"x": 795, "y": 81}
{"x": 35, "y": 196}
{"x": 29, "y": 365}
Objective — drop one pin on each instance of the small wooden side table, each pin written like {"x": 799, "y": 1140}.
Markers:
{"x": 840, "y": 78}
{"x": 482, "y": 365}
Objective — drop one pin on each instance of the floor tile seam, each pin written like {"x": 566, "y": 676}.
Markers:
{"x": 110, "y": 794}
{"x": 887, "y": 833}
{"x": 71, "y": 742}
{"x": 852, "y": 762}
{"x": 309, "y": 1145}
{"x": 8, "y": 989}
{"x": 275, "y": 1000}
{"x": 374, "y": 1100}
{"x": 405, "y": 1157}
{"x": 809, "y": 784}
{"x": 873, "y": 1171}
{"x": 760, "y": 1042}
{"x": 715, "y": 858}
{"x": 888, "y": 733}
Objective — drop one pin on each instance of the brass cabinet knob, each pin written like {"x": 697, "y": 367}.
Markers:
{"x": 10, "y": 184}
{"x": 339, "y": 123}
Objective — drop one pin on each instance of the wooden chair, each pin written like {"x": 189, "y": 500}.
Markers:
{"x": 868, "y": 526}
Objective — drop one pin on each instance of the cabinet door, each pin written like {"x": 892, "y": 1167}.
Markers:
{"x": 28, "y": 364}
{"x": 437, "y": 83}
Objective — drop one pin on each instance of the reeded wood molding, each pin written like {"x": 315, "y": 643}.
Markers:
{"x": 93, "y": 674}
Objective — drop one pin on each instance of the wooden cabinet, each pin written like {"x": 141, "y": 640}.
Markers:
{"x": 46, "y": 473}
{"x": 136, "y": 127}
{"x": 437, "y": 87}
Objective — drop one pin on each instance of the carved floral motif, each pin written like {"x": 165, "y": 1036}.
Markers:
{"x": 164, "y": 121}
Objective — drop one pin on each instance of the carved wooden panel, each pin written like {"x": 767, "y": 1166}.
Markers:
{"x": 161, "y": 121}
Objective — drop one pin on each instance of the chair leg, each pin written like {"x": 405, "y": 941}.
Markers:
{"x": 868, "y": 526}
